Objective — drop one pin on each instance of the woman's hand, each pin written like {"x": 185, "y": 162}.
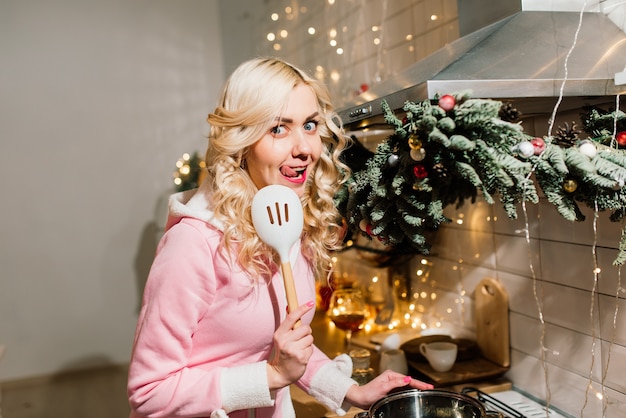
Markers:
{"x": 293, "y": 347}
{"x": 379, "y": 387}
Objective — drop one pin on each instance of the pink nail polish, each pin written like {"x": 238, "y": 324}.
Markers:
{"x": 407, "y": 379}
{"x": 310, "y": 303}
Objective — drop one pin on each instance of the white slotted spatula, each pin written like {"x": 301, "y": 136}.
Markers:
{"x": 278, "y": 220}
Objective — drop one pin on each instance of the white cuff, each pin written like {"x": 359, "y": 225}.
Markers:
{"x": 245, "y": 387}
{"x": 219, "y": 413}
{"x": 331, "y": 383}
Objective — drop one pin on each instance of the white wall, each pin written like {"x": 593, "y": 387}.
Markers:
{"x": 239, "y": 21}
{"x": 97, "y": 102}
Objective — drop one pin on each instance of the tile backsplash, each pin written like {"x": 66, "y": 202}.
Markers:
{"x": 353, "y": 43}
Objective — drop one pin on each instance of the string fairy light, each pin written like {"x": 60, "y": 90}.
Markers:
{"x": 538, "y": 290}
{"x": 592, "y": 311}
{"x": 538, "y": 296}
{"x": 613, "y": 137}
{"x": 605, "y": 402}
{"x": 379, "y": 49}
{"x": 565, "y": 69}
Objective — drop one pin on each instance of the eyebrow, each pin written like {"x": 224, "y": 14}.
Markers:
{"x": 288, "y": 120}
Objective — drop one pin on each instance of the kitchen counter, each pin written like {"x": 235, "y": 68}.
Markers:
{"x": 330, "y": 340}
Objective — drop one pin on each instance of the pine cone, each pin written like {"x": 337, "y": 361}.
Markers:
{"x": 568, "y": 136}
{"x": 508, "y": 113}
{"x": 440, "y": 169}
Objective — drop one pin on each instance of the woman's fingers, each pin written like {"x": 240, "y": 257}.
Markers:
{"x": 293, "y": 347}
{"x": 293, "y": 319}
{"x": 417, "y": 384}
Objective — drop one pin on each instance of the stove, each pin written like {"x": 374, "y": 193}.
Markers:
{"x": 514, "y": 404}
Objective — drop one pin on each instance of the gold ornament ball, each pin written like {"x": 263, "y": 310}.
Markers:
{"x": 415, "y": 142}
{"x": 570, "y": 186}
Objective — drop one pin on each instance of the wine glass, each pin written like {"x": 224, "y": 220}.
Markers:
{"x": 346, "y": 309}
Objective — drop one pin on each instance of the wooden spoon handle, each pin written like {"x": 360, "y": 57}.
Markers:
{"x": 290, "y": 288}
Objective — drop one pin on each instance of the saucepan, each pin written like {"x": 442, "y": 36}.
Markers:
{"x": 434, "y": 403}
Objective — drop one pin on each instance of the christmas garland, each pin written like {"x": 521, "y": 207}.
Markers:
{"x": 455, "y": 148}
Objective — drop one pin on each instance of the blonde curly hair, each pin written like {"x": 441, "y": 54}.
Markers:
{"x": 250, "y": 102}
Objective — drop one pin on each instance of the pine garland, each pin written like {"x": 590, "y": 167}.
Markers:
{"x": 454, "y": 148}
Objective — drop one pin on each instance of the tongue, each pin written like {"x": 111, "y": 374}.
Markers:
{"x": 288, "y": 172}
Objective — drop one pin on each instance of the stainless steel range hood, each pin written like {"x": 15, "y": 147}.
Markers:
{"x": 520, "y": 57}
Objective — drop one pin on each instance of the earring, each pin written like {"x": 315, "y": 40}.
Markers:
{"x": 243, "y": 164}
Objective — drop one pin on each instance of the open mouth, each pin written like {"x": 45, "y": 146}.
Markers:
{"x": 295, "y": 174}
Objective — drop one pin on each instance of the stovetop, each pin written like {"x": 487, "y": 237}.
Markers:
{"x": 514, "y": 404}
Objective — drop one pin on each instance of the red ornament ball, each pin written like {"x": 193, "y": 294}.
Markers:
{"x": 621, "y": 138}
{"x": 447, "y": 102}
{"x": 420, "y": 172}
{"x": 365, "y": 227}
{"x": 539, "y": 145}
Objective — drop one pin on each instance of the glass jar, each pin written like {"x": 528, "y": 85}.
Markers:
{"x": 362, "y": 372}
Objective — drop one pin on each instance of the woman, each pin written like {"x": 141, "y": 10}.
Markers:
{"x": 214, "y": 337}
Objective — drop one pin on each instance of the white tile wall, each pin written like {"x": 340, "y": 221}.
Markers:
{"x": 584, "y": 328}
{"x": 551, "y": 276}
{"x": 560, "y": 310}
{"x": 408, "y": 32}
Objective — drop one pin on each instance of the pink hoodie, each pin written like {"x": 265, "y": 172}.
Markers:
{"x": 205, "y": 330}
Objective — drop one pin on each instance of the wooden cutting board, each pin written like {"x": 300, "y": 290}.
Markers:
{"x": 492, "y": 321}
{"x": 491, "y": 357}
{"x": 470, "y": 366}
{"x": 463, "y": 372}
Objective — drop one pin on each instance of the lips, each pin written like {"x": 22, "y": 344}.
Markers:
{"x": 294, "y": 174}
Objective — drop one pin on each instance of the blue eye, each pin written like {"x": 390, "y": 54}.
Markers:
{"x": 311, "y": 126}
{"x": 278, "y": 130}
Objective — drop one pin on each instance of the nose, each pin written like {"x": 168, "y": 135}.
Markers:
{"x": 301, "y": 146}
